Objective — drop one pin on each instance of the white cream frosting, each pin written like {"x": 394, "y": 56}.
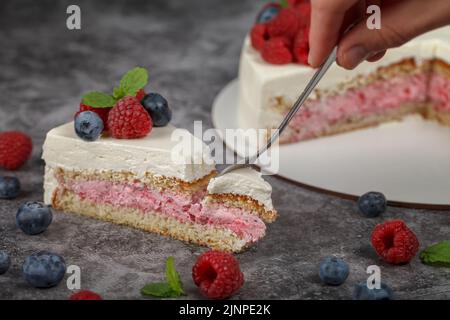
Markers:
{"x": 153, "y": 153}
{"x": 260, "y": 82}
{"x": 50, "y": 184}
{"x": 245, "y": 181}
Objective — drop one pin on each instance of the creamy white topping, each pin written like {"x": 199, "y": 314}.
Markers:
{"x": 247, "y": 182}
{"x": 50, "y": 185}
{"x": 63, "y": 148}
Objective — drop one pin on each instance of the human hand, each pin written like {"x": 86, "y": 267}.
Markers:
{"x": 401, "y": 20}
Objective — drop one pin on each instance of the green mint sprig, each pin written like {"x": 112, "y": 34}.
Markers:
{"x": 130, "y": 84}
{"x": 437, "y": 255}
{"x": 133, "y": 81}
{"x": 172, "y": 288}
{"x": 158, "y": 290}
{"x": 173, "y": 277}
{"x": 98, "y": 100}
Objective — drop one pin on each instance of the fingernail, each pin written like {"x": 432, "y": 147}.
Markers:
{"x": 355, "y": 55}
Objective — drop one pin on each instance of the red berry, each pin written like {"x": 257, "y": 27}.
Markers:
{"x": 302, "y": 38}
{"x": 276, "y": 51}
{"x": 140, "y": 95}
{"x": 15, "y": 149}
{"x": 102, "y": 113}
{"x": 285, "y": 24}
{"x": 217, "y": 274}
{"x": 301, "y": 46}
{"x": 301, "y": 55}
{"x": 294, "y": 3}
{"x": 395, "y": 242}
{"x": 85, "y": 295}
{"x": 129, "y": 120}
{"x": 258, "y": 36}
{"x": 304, "y": 11}
{"x": 286, "y": 41}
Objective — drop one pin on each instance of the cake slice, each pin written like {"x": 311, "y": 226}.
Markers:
{"x": 137, "y": 183}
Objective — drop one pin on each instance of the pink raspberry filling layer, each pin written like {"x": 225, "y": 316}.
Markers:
{"x": 377, "y": 98}
{"x": 439, "y": 92}
{"x": 186, "y": 208}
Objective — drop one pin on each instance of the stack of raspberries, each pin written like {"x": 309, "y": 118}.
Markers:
{"x": 281, "y": 32}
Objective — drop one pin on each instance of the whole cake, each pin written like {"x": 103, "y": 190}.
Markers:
{"x": 126, "y": 173}
{"x": 414, "y": 78}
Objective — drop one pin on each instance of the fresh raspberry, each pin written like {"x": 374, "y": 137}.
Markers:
{"x": 140, "y": 95}
{"x": 302, "y": 38}
{"x": 301, "y": 54}
{"x": 129, "y": 120}
{"x": 276, "y": 51}
{"x": 286, "y": 41}
{"x": 285, "y": 24}
{"x": 294, "y": 3}
{"x": 102, "y": 113}
{"x": 304, "y": 11}
{"x": 217, "y": 274}
{"x": 258, "y": 36}
{"x": 15, "y": 149}
{"x": 301, "y": 46}
{"x": 85, "y": 295}
{"x": 395, "y": 242}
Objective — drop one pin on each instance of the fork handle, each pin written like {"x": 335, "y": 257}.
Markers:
{"x": 297, "y": 105}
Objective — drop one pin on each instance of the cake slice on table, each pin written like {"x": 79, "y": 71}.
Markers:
{"x": 136, "y": 182}
{"x": 411, "y": 79}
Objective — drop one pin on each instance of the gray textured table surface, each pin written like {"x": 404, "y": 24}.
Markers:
{"x": 191, "y": 49}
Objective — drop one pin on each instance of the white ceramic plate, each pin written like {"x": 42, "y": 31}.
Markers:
{"x": 409, "y": 161}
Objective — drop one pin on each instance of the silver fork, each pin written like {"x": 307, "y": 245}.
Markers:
{"x": 249, "y": 161}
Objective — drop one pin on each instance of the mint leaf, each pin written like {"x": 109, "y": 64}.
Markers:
{"x": 98, "y": 100}
{"x": 173, "y": 288}
{"x": 173, "y": 278}
{"x": 159, "y": 290}
{"x": 437, "y": 254}
{"x": 284, "y": 3}
{"x": 133, "y": 81}
{"x": 118, "y": 93}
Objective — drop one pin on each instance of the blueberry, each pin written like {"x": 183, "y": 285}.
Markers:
{"x": 361, "y": 292}
{"x": 34, "y": 217}
{"x": 44, "y": 269}
{"x": 88, "y": 125}
{"x": 333, "y": 271}
{"x": 5, "y": 262}
{"x": 372, "y": 204}
{"x": 158, "y": 108}
{"x": 9, "y": 187}
{"x": 267, "y": 13}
